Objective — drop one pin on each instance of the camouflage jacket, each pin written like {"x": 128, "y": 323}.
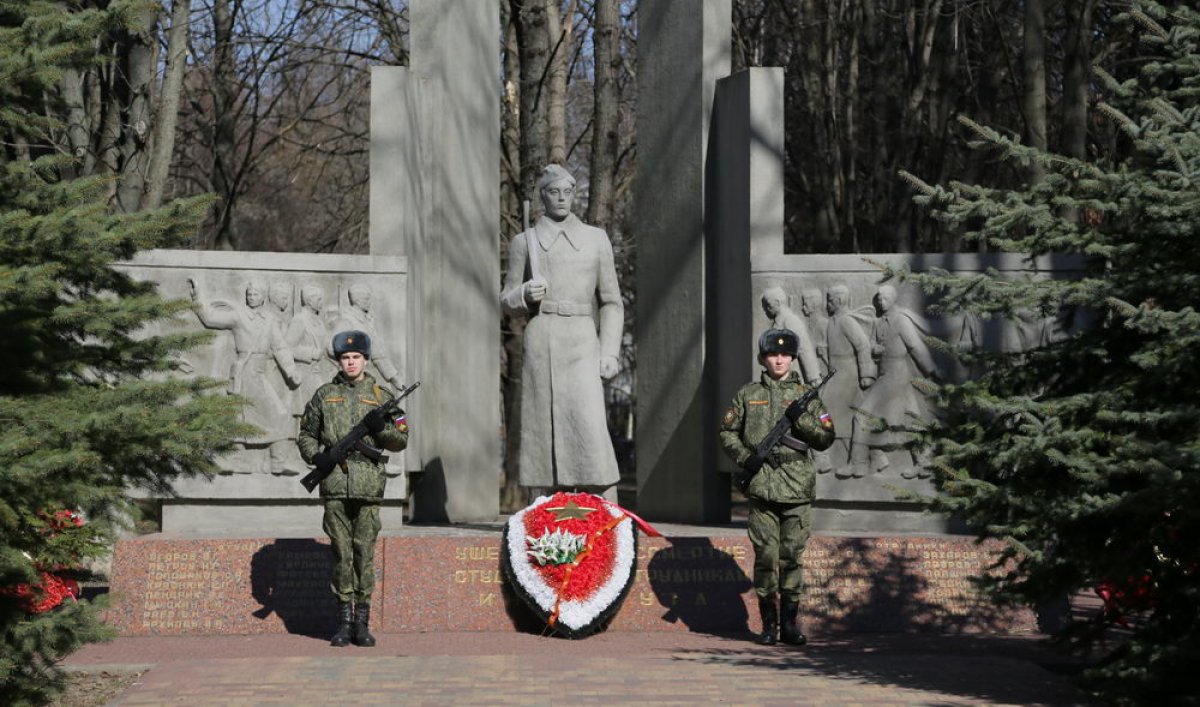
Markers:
{"x": 336, "y": 407}
{"x": 788, "y": 477}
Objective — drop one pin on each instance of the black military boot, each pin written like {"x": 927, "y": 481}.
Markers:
{"x": 362, "y": 617}
{"x": 341, "y": 639}
{"x": 789, "y": 628}
{"x": 770, "y": 620}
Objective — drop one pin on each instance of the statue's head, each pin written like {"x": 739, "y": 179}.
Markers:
{"x": 360, "y": 296}
{"x": 256, "y": 293}
{"x": 281, "y": 295}
{"x": 773, "y": 301}
{"x": 312, "y": 297}
{"x": 557, "y": 189}
{"x": 810, "y": 301}
{"x": 836, "y": 298}
{"x": 885, "y": 297}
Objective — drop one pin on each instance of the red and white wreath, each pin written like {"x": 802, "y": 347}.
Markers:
{"x": 572, "y": 558}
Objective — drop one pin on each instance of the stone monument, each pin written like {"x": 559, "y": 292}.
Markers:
{"x": 561, "y": 275}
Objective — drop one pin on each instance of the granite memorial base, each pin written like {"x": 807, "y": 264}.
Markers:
{"x": 433, "y": 579}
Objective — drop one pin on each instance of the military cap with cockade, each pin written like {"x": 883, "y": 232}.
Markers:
{"x": 353, "y": 340}
{"x": 778, "y": 341}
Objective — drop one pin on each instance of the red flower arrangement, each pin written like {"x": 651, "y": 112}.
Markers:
{"x": 54, "y": 588}
{"x": 571, "y": 558}
{"x": 43, "y": 596}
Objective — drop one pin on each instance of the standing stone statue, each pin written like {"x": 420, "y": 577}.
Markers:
{"x": 781, "y": 316}
{"x": 261, "y": 358}
{"x": 561, "y": 275}
{"x": 899, "y": 347}
{"x": 358, "y": 317}
{"x": 849, "y": 355}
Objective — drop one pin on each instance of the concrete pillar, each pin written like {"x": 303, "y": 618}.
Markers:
{"x": 745, "y": 214}
{"x": 683, "y": 48}
{"x": 435, "y": 160}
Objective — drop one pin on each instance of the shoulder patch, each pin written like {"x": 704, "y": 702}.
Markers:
{"x": 730, "y": 417}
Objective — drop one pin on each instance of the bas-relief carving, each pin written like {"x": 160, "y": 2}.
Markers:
{"x": 879, "y": 350}
{"x": 276, "y": 355}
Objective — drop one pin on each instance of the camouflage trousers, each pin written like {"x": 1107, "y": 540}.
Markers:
{"x": 778, "y": 532}
{"x": 352, "y": 527}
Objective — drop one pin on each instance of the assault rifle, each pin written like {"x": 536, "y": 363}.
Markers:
{"x": 354, "y": 441}
{"x": 763, "y": 451}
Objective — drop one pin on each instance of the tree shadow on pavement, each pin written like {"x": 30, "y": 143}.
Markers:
{"x": 878, "y": 621}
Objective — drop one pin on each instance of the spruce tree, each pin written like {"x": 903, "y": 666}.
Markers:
{"x": 1084, "y": 453}
{"x": 88, "y": 403}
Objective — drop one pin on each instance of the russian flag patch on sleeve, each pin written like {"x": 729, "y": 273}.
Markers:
{"x": 402, "y": 422}
{"x": 826, "y": 420}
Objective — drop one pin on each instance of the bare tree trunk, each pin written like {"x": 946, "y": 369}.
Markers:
{"x": 1033, "y": 61}
{"x": 510, "y": 126}
{"x": 1076, "y": 73}
{"x": 605, "y": 37}
{"x": 109, "y": 105}
{"x": 78, "y": 135}
{"x": 140, "y": 69}
{"x": 533, "y": 40}
{"x": 512, "y": 496}
{"x": 224, "y": 128}
{"x": 558, "y": 35}
{"x": 163, "y": 144}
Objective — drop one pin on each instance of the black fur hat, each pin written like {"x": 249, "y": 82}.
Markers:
{"x": 352, "y": 340}
{"x": 778, "y": 341}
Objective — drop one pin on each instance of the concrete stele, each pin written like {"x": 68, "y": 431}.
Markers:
{"x": 435, "y": 135}
{"x": 744, "y": 211}
{"x": 683, "y": 49}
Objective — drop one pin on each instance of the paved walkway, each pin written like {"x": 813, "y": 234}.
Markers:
{"x": 657, "y": 667}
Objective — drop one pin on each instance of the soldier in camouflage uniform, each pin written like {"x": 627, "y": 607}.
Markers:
{"x": 353, "y": 492}
{"x": 781, "y": 490}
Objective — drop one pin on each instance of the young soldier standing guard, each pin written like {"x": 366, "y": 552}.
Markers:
{"x": 781, "y": 487}
{"x": 353, "y": 492}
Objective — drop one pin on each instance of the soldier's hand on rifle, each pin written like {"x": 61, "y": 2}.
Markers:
{"x": 376, "y": 421}
{"x": 795, "y": 410}
{"x": 535, "y": 290}
{"x": 323, "y": 459}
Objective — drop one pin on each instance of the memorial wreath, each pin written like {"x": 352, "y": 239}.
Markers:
{"x": 572, "y": 558}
